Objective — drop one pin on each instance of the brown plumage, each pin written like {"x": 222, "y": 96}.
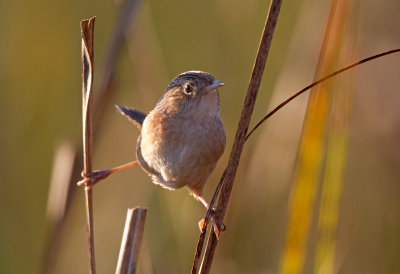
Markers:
{"x": 183, "y": 137}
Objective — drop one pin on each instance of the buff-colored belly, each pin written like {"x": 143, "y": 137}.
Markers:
{"x": 182, "y": 159}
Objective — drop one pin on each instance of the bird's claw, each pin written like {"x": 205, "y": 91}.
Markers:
{"x": 93, "y": 177}
{"x": 218, "y": 227}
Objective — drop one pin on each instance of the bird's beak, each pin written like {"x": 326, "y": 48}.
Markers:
{"x": 214, "y": 85}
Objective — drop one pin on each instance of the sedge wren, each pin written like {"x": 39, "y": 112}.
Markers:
{"x": 182, "y": 138}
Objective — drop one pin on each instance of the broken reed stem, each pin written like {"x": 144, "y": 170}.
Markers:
{"x": 127, "y": 11}
{"x": 241, "y": 132}
{"x": 87, "y": 32}
{"x": 131, "y": 240}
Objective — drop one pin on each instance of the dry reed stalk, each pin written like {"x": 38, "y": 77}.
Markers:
{"x": 131, "y": 241}
{"x": 311, "y": 152}
{"x": 266, "y": 117}
{"x": 57, "y": 201}
{"x": 336, "y": 149}
{"x": 59, "y": 182}
{"x": 87, "y": 29}
{"x": 106, "y": 79}
{"x": 87, "y": 32}
{"x": 127, "y": 11}
{"x": 240, "y": 138}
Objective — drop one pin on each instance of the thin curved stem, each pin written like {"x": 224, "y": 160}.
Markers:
{"x": 272, "y": 112}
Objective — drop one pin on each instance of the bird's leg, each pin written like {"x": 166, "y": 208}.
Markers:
{"x": 95, "y": 176}
{"x": 217, "y": 227}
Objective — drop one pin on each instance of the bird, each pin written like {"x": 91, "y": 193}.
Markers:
{"x": 182, "y": 138}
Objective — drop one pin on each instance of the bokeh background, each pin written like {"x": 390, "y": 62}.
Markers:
{"x": 40, "y": 111}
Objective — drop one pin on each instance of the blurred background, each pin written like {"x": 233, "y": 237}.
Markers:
{"x": 317, "y": 190}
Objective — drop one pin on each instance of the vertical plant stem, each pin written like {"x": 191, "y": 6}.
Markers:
{"x": 243, "y": 126}
{"x": 131, "y": 240}
{"x": 87, "y": 32}
{"x": 326, "y": 260}
{"x": 311, "y": 154}
{"x": 89, "y": 216}
{"x": 105, "y": 91}
{"x": 202, "y": 236}
{"x": 57, "y": 202}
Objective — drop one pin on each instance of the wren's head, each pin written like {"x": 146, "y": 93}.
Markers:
{"x": 191, "y": 92}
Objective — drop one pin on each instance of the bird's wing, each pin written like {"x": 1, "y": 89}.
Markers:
{"x": 135, "y": 116}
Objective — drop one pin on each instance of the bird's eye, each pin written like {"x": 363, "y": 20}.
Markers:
{"x": 188, "y": 88}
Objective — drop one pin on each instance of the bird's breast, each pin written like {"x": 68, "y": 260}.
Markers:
{"x": 180, "y": 149}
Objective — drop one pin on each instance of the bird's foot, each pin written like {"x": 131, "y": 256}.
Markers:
{"x": 91, "y": 178}
{"x": 217, "y": 226}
